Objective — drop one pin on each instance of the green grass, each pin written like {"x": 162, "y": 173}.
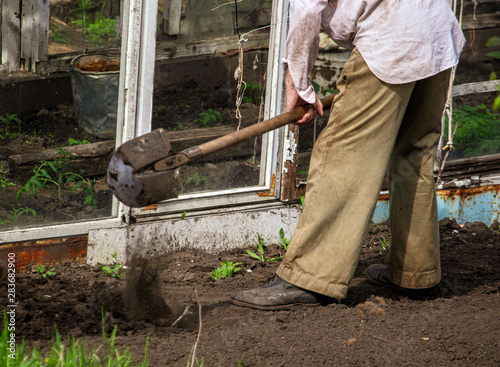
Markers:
{"x": 71, "y": 353}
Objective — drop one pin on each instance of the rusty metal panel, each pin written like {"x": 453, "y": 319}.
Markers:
{"x": 30, "y": 254}
{"x": 471, "y": 204}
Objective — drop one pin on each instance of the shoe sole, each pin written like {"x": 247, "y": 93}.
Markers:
{"x": 274, "y": 308}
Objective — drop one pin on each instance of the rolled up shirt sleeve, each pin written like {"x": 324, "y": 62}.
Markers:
{"x": 302, "y": 43}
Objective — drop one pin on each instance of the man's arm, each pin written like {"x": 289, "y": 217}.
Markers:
{"x": 301, "y": 52}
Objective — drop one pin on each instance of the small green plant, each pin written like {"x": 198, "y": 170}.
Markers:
{"x": 45, "y": 272}
{"x": 57, "y": 34}
{"x": 254, "y": 91}
{"x": 4, "y": 184}
{"x": 114, "y": 272}
{"x": 183, "y": 215}
{"x": 197, "y": 180}
{"x": 53, "y": 173}
{"x": 383, "y": 242}
{"x": 8, "y": 125}
{"x": 15, "y": 213}
{"x": 97, "y": 30}
{"x": 210, "y": 117}
{"x": 494, "y": 42}
{"x": 72, "y": 353}
{"x": 77, "y": 142}
{"x": 302, "y": 200}
{"x": 226, "y": 269}
{"x": 260, "y": 248}
{"x": 284, "y": 242}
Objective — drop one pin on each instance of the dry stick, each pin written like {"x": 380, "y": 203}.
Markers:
{"x": 193, "y": 350}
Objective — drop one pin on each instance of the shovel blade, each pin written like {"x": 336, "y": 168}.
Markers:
{"x": 145, "y": 150}
{"x": 139, "y": 189}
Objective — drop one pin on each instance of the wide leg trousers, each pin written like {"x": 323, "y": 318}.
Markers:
{"x": 374, "y": 128}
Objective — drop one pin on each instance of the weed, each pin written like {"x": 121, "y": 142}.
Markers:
{"x": 70, "y": 354}
{"x": 365, "y": 312}
{"x": 260, "y": 248}
{"x": 197, "y": 180}
{"x": 56, "y": 34}
{"x": 8, "y": 124}
{"x": 54, "y": 173}
{"x": 284, "y": 242}
{"x": 255, "y": 91}
{"x": 227, "y": 269}
{"x": 101, "y": 27}
{"x": 45, "y": 272}
{"x": 383, "y": 242}
{"x": 114, "y": 272}
{"x": 183, "y": 215}
{"x": 15, "y": 213}
{"x": 4, "y": 184}
{"x": 302, "y": 200}
{"x": 77, "y": 142}
{"x": 210, "y": 117}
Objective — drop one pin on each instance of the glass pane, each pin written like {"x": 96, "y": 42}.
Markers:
{"x": 80, "y": 25}
{"x": 478, "y": 131}
{"x": 58, "y": 132}
{"x": 196, "y": 92}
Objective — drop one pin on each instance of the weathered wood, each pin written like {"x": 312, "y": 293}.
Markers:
{"x": 473, "y": 88}
{"x": 11, "y": 34}
{"x": 466, "y": 167}
{"x": 172, "y": 17}
{"x": 77, "y": 151}
{"x": 94, "y": 158}
{"x": 34, "y": 32}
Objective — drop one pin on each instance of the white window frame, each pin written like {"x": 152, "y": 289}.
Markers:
{"x": 134, "y": 117}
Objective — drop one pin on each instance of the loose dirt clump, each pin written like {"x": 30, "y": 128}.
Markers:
{"x": 160, "y": 298}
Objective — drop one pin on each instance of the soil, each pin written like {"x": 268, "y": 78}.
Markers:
{"x": 460, "y": 327}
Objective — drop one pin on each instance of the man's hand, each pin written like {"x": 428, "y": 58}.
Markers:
{"x": 293, "y": 100}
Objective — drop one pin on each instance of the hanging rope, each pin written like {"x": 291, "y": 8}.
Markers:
{"x": 448, "y": 109}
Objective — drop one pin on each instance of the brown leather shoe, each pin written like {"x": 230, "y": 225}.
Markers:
{"x": 378, "y": 274}
{"x": 276, "y": 294}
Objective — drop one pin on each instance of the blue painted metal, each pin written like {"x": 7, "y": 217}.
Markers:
{"x": 474, "y": 204}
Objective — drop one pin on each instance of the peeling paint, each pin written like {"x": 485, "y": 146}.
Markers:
{"x": 473, "y": 204}
{"x": 290, "y": 147}
{"x": 30, "y": 254}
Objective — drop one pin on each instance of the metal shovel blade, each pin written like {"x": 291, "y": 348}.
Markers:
{"x": 131, "y": 177}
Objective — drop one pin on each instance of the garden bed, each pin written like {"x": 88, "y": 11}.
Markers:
{"x": 460, "y": 328}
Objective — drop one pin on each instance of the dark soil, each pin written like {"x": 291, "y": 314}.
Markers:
{"x": 459, "y": 328}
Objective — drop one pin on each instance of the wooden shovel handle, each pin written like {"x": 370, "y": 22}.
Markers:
{"x": 252, "y": 131}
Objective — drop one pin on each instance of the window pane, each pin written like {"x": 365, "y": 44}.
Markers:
{"x": 196, "y": 93}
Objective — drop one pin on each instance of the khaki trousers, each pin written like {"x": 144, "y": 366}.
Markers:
{"x": 374, "y": 127}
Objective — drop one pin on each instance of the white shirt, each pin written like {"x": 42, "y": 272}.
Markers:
{"x": 400, "y": 40}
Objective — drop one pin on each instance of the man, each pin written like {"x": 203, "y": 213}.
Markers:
{"x": 385, "y": 118}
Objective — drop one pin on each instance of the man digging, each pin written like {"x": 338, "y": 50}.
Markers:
{"x": 385, "y": 118}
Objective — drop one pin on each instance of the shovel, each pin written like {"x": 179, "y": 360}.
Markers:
{"x": 143, "y": 171}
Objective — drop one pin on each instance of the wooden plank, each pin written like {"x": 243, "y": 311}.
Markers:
{"x": 34, "y": 33}
{"x": 11, "y": 34}
{"x": 473, "y": 88}
{"x": 172, "y": 17}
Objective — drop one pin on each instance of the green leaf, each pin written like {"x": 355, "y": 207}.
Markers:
{"x": 77, "y": 185}
{"x": 495, "y": 54}
{"x": 45, "y": 173}
{"x": 493, "y": 41}
{"x": 71, "y": 178}
{"x": 253, "y": 254}
{"x": 87, "y": 201}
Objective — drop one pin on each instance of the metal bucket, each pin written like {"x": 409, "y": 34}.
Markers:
{"x": 94, "y": 80}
